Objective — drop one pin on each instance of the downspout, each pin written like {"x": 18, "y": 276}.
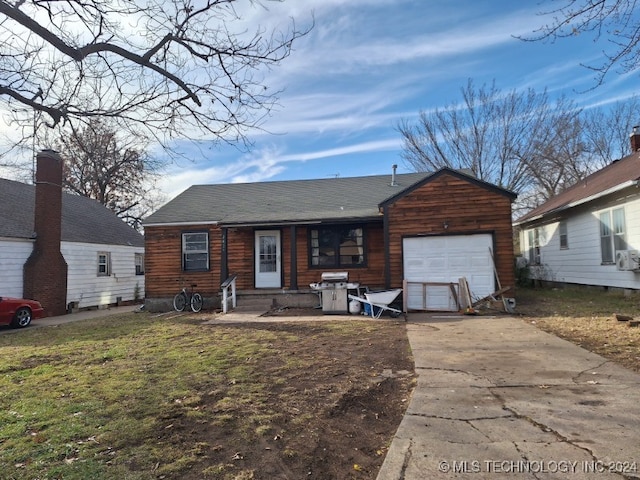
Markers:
{"x": 387, "y": 254}
{"x": 294, "y": 258}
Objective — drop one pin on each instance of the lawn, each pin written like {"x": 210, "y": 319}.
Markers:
{"x": 138, "y": 396}
{"x": 586, "y": 317}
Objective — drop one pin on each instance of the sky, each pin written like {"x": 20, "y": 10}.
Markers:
{"x": 367, "y": 65}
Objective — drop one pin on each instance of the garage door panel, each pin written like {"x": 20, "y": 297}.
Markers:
{"x": 446, "y": 259}
{"x": 439, "y": 298}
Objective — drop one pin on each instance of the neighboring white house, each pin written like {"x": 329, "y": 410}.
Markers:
{"x": 104, "y": 255}
{"x": 590, "y": 233}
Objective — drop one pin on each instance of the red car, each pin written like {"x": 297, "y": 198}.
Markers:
{"x": 18, "y": 312}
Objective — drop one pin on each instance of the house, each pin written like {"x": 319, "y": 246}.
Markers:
{"x": 588, "y": 234}
{"x": 279, "y": 237}
{"x": 65, "y": 250}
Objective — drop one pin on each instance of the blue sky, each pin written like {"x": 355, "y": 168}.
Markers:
{"x": 368, "y": 64}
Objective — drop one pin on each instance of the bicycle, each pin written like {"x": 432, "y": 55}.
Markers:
{"x": 184, "y": 298}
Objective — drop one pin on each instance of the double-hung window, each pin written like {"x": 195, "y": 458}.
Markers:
{"x": 533, "y": 241}
{"x": 195, "y": 251}
{"x": 612, "y": 233}
{"x": 337, "y": 246}
{"x": 139, "y": 260}
{"x": 564, "y": 235}
{"x": 104, "y": 264}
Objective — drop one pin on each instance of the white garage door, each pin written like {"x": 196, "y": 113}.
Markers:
{"x": 446, "y": 259}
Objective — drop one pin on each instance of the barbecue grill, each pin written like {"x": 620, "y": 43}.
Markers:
{"x": 333, "y": 289}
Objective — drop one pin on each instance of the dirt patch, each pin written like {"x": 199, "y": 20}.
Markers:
{"x": 334, "y": 422}
{"x": 587, "y": 317}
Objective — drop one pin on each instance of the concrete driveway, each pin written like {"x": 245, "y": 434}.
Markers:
{"x": 498, "y": 398}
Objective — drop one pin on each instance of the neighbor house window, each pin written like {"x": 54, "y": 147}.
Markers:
{"x": 612, "y": 234}
{"x": 564, "y": 237}
{"x": 195, "y": 251}
{"x": 104, "y": 264}
{"x": 337, "y": 246}
{"x": 139, "y": 263}
{"x": 534, "y": 246}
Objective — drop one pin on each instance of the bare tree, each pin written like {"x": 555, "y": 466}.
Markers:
{"x": 607, "y": 131}
{"x": 559, "y": 158}
{"x": 173, "y": 67}
{"x": 493, "y": 134}
{"x": 116, "y": 172}
{"x": 617, "y": 21}
{"x": 519, "y": 141}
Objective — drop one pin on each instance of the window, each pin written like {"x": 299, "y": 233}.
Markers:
{"x": 139, "y": 263}
{"x": 612, "y": 233}
{"x": 533, "y": 237}
{"x": 104, "y": 264}
{"x": 564, "y": 237}
{"x": 195, "y": 251}
{"x": 338, "y": 246}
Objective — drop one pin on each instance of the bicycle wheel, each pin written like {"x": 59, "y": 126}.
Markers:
{"x": 179, "y": 302}
{"x": 196, "y": 302}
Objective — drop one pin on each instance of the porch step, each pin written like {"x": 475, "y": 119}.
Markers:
{"x": 253, "y": 303}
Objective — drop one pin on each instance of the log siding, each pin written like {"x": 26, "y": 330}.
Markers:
{"x": 447, "y": 203}
{"x": 450, "y": 205}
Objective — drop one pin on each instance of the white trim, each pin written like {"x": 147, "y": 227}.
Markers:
{"x": 17, "y": 239}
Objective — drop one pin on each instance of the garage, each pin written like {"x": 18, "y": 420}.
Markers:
{"x": 445, "y": 259}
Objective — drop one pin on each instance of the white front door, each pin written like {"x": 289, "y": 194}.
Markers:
{"x": 268, "y": 264}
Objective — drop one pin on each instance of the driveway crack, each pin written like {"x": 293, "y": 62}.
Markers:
{"x": 407, "y": 459}
{"x": 541, "y": 426}
{"x": 591, "y": 369}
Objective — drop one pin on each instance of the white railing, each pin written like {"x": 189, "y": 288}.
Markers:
{"x": 229, "y": 282}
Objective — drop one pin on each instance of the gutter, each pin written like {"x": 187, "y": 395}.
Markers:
{"x": 178, "y": 224}
{"x": 274, "y": 223}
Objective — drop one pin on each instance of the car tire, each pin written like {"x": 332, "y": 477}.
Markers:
{"x": 22, "y": 318}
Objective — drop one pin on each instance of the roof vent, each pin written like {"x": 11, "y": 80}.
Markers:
{"x": 394, "y": 167}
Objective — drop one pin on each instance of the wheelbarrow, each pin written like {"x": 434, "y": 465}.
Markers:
{"x": 380, "y": 301}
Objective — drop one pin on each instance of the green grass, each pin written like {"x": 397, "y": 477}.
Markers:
{"x": 143, "y": 397}
{"x": 87, "y": 400}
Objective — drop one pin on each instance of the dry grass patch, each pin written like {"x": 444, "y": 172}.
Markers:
{"x": 586, "y": 317}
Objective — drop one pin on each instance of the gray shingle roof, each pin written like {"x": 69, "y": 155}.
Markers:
{"x": 283, "y": 201}
{"x": 83, "y": 219}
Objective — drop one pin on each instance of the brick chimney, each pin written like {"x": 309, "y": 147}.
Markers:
{"x": 635, "y": 139}
{"x": 45, "y": 272}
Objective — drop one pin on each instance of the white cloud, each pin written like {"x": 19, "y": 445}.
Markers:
{"x": 261, "y": 165}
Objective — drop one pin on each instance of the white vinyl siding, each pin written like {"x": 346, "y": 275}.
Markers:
{"x": 582, "y": 263}
{"x": 89, "y": 289}
{"x": 13, "y": 255}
